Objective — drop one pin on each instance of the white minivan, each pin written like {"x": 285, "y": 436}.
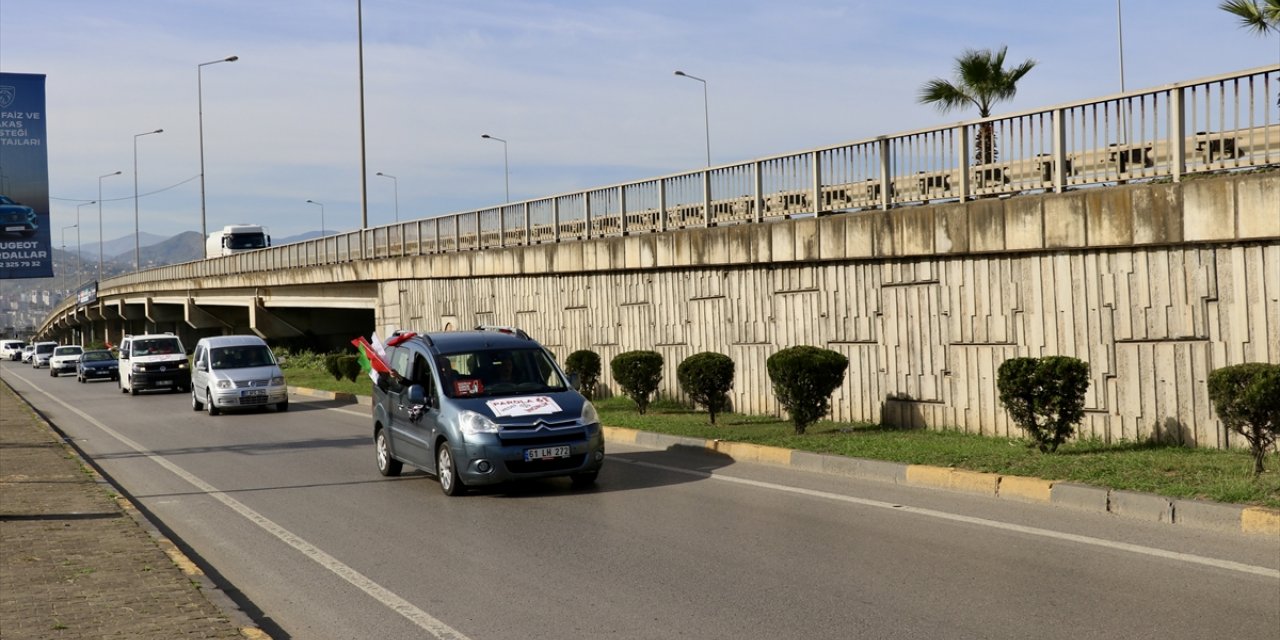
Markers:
{"x": 236, "y": 371}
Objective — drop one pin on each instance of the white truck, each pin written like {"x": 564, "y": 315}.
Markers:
{"x": 235, "y": 238}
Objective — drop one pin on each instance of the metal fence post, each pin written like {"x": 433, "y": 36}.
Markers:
{"x": 816, "y": 163}
{"x": 706, "y": 198}
{"x": 1177, "y": 134}
{"x": 962, "y": 162}
{"x": 885, "y": 179}
{"x": 1059, "y": 150}
{"x": 662, "y": 204}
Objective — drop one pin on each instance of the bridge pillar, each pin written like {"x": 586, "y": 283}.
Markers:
{"x": 268, "y": 325}
{"x": 198, "y": 318}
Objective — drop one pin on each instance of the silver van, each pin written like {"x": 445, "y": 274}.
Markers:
{"x": 236, "y": 371}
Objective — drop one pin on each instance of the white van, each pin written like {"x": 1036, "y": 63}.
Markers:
{"x": 236, "y": 371}
{"x": 11, "y": 349}
{"x": 153, "y": 361}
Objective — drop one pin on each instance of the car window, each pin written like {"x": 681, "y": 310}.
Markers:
{"x": 95, "y": 356}
{"x": 68, "y": 351}
{"x": 498, "y": 372}
{"x": 154, "y": 347}
{"x": 241, "y": 357}
{"x": 45, "y": 348}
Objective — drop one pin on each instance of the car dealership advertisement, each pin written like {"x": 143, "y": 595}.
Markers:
{"x": 25, "y": 240}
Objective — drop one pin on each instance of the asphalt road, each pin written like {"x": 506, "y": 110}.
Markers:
{"x": 289, "y": 510}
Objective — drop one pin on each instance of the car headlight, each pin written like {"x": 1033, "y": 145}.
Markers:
{"x": 473, "y": 423}
{"x": 224, "y": 384}
{"x": 183, "y": 364}
{"x": 589, "y": 415}
{"x": 137, "y": 368}
{"x": 277, "y": 381}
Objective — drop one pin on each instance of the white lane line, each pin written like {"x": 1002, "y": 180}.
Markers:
{"x": 994, "y": 524}
{"x": 422, "y": 619}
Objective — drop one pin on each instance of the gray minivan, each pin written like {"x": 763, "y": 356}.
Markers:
{"x": 482, "y": 407}
{"x": 236, "y": 371}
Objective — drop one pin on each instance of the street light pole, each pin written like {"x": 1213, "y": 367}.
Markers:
{"x": 506, "y": 166}
{"x": 706, "y": 114}
{"x": 64, "y": 242}
{"x": 204, "y": 231}
{"x": 79, "y": 266}
{"x": 105, "y": 175}
{"x": 321, "y": 205}
{"x": 396, "y": 183}
{"x": 137, "y": 246}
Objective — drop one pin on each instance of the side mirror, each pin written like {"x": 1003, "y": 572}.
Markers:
{"x": 575, "y": 381}
{"x": 203, "y": 365}
{"x": 416, "y": 395}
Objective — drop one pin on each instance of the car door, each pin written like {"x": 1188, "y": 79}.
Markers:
{"x": 200, "y": 372}
{"x": 406, "y": 438}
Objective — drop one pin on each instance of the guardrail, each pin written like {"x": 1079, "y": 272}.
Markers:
{"x": 1217, "y": 123}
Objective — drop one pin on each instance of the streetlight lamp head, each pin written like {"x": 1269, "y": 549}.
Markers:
{"x": 379, "y": 173}
{"x": 485, "y": 135}
{"x": 231, "y": 58}
{"x": 679, "y": 73}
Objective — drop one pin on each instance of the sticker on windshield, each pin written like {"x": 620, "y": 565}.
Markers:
{"x": 526, "y": 406}
{"x": 468, "y": 387}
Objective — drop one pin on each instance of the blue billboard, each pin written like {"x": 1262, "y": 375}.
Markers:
{"x": 25, "y": 239}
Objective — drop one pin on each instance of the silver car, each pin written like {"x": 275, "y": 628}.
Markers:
{"x": 236, "y": 371}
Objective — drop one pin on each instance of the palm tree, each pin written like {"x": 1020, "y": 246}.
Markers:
{"x": 1262, "y": 16}
{"x": 981, "y": 81}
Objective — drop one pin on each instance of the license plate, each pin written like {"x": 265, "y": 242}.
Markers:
{"x": 546, "y": 453}
{"x": 18, "y": 228}
{"x": 164, "y": 383}
{"x": 253, "y": 392}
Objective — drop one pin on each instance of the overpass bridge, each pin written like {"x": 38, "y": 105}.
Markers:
{"x": 1139, "y": 232}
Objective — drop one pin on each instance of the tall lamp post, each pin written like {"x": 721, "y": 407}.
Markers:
{"x": 706, "y": 115}
{"x": 105, "y": 175}
{"x": 396, "y": 183}
{"x": 321, "y": 205}
{"x": 506, "y": 166}
{"x": 137, "y": 246}
{"x": 204, "y": 231}
{"x": 64, "y": 242}
{"x": 79, "y": 267}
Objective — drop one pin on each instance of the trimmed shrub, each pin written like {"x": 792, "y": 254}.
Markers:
{"x": 349, "y": 367}
{"x": 707, "y": 378}
{"x": 586, "y": 364}
{"x": 1246, "y": 398}
{"x": 637, "y": 374}
{"x": 1044, "y": 396}
{"x": 803, "y": 380}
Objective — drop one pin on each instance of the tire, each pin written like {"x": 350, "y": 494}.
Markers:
{"x": 282, "y": 406}
{"x": 584, "y": 480}
{"x": 209, "y": 405}
{"x": 79, "y": 378}
{"x": 196, "y": 405}
{"x": 447, "y": 472}
{"x": 122, "y": 389}
{"x": 52, "y": 373}
{"x": 133, "y": 391}
{"x": 387, "y": 465}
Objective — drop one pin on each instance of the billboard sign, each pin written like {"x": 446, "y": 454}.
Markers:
{"x": 25, "y": 238}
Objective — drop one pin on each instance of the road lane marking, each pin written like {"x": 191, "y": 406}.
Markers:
{"x": 386, "y": 597}
{"x": 983, "y": 522}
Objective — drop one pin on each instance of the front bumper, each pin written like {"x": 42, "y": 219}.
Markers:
{"x": 99, "y": 372}
{"x": 486, "y": 460}
{"x": 229, "y": 398}
{"x": 174, "y": 378}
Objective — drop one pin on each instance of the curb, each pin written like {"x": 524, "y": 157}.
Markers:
{"x": 338, "y": 396}
{"x": 1200, "y": 514}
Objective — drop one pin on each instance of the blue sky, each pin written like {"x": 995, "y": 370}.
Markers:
{"x": 583, "y": 92}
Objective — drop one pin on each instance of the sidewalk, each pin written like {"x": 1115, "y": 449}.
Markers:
{"x": 78, "y": 562}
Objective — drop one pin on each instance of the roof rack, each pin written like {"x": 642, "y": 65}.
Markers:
{"x": 519, "y": 333}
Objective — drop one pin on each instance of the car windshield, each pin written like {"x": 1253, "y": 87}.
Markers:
{"x": 498, "y": 372}
{"x": 45, "y": 348}
{"x": 68, "y": 351}
{"x": 96, "y": 356}
{"x": 155, "y": 347}
{"x": 253, "y": 355}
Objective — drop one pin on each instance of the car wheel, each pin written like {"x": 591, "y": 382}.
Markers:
{"x": 447, "y": 472}
{"x": 583, "y": 480}
{"x": 196, "y": 405}
{"x": 282, "y": 406}
{"x": 121, "y": 384}
{"x": 52, "y": 373}
{"x": 208, "y": 404}
{"x": 387, "y": 465}
{"x": 80, "y": 379}
{"x": 133, "y": 391}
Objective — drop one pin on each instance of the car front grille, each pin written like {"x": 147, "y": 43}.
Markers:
{"x": 538, "y": 466}
{"x": 252, "y": 384}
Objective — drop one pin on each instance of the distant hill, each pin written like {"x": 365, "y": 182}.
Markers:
{"x": 184, "y": 247}
{"x": 119, "y": 245}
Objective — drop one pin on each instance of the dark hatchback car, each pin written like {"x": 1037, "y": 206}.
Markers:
{"x": 97, "y": 364}
{"x": 17, "y": 219}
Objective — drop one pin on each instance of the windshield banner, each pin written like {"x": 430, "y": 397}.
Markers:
{"x": 526, "y": 406}
{"x": 24, "y": 179}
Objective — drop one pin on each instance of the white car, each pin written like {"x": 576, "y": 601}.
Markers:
{"x": 64, "y": 359}
{"x": 43, "y": 351}
{"x": 11, "y": 349}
